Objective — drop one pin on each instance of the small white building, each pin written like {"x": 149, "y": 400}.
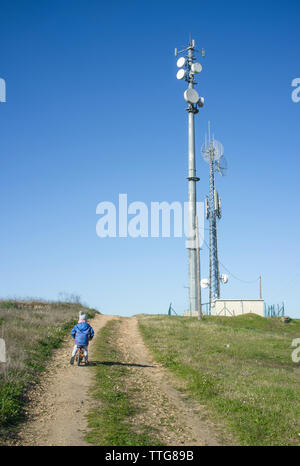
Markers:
{"x": 235, "y": 307}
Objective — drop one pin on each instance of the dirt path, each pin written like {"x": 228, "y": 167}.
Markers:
{"x": 58, "y": 404}
{"x": 179, "y": 419}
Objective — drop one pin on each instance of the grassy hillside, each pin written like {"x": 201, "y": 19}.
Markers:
{"x": 239, "y": 367}
{"x": 30, "y": 330}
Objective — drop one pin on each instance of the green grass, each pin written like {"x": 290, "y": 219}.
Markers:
{"x": 240, "y": 367}
{"x": 31, "y": 331}
{"x": 111, "y": 421}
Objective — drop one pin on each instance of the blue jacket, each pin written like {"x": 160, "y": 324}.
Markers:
{"x": 82, "y": 332}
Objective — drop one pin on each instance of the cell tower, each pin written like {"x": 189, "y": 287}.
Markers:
{"x": 212, "y": 151}
{"x": 188, "y": 68}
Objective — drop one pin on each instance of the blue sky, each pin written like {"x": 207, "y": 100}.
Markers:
{"x": 94, "y": 109}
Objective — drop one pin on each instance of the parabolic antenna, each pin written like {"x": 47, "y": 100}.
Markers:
{"x": 196, "y": 68}
{"x": 201, "y": 102}
{"x": 221, "y": 166}
{"x": 224, "y": 278}
{"x": 213, "y": 149}
{"x": 191, "y": 96}
{"x": 180, "y": 73}
{"x": 204, "y": 283}
{"x": 181, "y": 62}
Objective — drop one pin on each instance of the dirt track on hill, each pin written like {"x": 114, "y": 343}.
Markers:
{"x": 59, "y": 404}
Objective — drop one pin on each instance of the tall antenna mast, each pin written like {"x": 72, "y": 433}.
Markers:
{"x": 213, "y": 154}
{"x": 188, "y": 67}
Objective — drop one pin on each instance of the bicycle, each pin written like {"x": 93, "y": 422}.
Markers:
{"x": 79, "y": 355}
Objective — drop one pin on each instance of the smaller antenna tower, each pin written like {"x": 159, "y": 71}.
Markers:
{"x": 212, "y": 152}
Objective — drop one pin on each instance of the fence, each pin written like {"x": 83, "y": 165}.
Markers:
{"x": 171, "y": 309}
{"x": 274, "y": 310}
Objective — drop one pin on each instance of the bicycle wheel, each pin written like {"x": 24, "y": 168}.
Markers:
{"x": 78, "y": 358}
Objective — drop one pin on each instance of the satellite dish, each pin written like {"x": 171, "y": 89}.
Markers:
{"x": 181, "y": 62}
{"x": 191, "y": 96}
{"x": 213, "y": 148}
{"x": 196, "y": 68}
{"x": 204, "y": 283}
{"x": 222, "y": 166}
{"x": 200, "y": 102}
{"x": 180, "y": 74}
{"x": 224, "y": 278}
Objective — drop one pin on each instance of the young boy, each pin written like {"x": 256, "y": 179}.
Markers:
{"x": 82, "y": 332}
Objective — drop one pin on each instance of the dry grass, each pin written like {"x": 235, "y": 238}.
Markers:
{"x": 23, "y": 329}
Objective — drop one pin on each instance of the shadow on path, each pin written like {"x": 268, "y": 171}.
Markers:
{"x": 115, "y": 363}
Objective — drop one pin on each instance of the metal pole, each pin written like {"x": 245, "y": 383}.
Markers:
{"x": 260, "y": 295}
{"x": 194, "y": 101}
{"x": 192, "y": 179}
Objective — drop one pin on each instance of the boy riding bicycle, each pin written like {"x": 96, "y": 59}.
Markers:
{"x": 82, "y": 332}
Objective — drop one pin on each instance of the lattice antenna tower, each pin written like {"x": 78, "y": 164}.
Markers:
{"x": 212, "y": 152}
